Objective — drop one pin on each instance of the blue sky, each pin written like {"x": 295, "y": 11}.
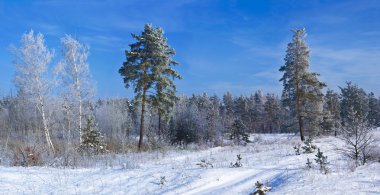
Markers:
{"x": 222, "y": 45}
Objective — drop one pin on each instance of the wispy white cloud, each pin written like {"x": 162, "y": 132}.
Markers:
{"x": 268, "y": 50}
{"x": 220, "y": 87}
{"x": 361, "y": 65}
{"x": 49, "y": 29}
{"x": 329, "y": 19}
{"x": 371, "y": 33}
{"x": 224, "y": 86}
{"x": 346, "y": 54}
{"x": 267, "y": 74}
{"x": 354, "y": 6}
{"x": 105, "y": 43}
{"x": 120, "y": 15}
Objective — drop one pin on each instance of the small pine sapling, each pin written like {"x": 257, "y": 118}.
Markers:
{"x": 92, "y": 139}
{"x": 297, "y": 149}
{"x": 309, "y": 164}
{"x": 309, "y": 147}
{"x": 238, "y": 162}
{"x": 261, "y": 189}
{"x": 322, "y": 161}
{"x": 162, "y": 180}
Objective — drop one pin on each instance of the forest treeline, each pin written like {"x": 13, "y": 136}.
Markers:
{"x": 201, "y": 119}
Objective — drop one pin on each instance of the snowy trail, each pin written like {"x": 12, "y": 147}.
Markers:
{"x": 271, "y": 161}
{"x": 235, "y": 184}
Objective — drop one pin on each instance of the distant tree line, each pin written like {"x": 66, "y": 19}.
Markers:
{"x": 199, "y": 119}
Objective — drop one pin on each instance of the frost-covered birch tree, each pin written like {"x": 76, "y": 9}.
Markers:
{"x": 31, "y": 79}
{"x": 76, "y": 80}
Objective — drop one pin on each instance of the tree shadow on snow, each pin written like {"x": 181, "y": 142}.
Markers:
{"x": 280, "y": 180}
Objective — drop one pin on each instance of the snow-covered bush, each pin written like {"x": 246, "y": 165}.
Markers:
{"x": 185, "y": 126}
{"x": 205, "y": 164}
{"x": 376, "y": 153}
{"x": 26, "y": 157}
{"x": 152, "y": 140}
{"x": 358, "y": 137}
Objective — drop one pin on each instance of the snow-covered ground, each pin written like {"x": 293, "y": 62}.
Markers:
{"x": 270, "y": 159}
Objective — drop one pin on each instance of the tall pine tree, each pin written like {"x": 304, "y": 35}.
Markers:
{"x": 302, "y": 90}
{"x": 149, "y": 67}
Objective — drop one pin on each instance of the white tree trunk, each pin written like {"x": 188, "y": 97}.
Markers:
{"x": 78, "y": 93}
{"x": 68, "y": 118}
{"x": 45, "y": 123}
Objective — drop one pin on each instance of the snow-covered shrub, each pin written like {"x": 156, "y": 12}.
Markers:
{"x": 152, "y": 140}
{"x": 322, "y": 161}
{"x": 92, "y": 139}
{"x": 358, "y": 138}
{"x": 261, "y": 189}
{"x": 238, "y": 162}
{"x": 26, "y": 157}
{"x": 185, "y": 126}
{"x": 308, "y": 147}
{"x": 257, "y": 139}
{"x": 205, "y": 164}
{"x": 352, "y": 165}
{"x": 67, "y": 155}
{"x": 376, "y": 153}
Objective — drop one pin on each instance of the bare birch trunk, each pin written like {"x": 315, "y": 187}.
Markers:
{"x": 45, "y": 123}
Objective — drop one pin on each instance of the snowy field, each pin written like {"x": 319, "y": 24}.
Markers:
{"x": 270, "y": 159}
